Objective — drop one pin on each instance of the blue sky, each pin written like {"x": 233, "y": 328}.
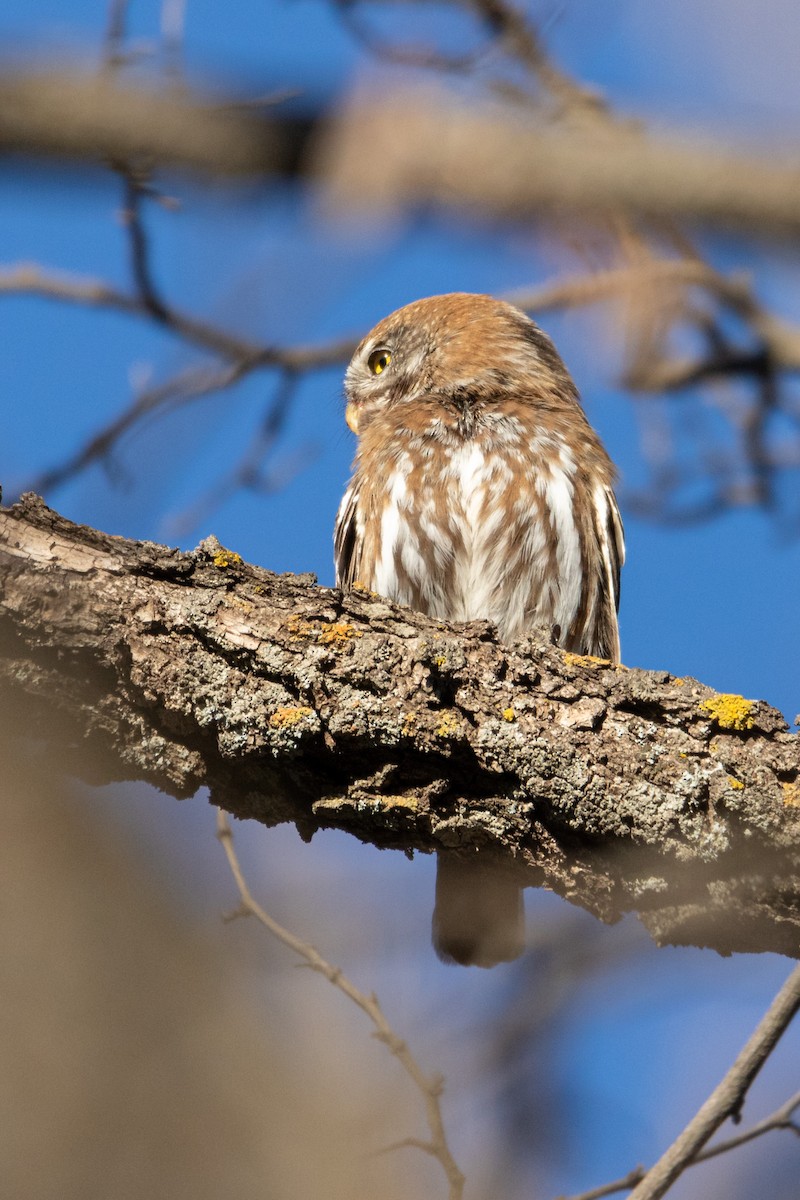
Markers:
{"x": 715, "y": 601}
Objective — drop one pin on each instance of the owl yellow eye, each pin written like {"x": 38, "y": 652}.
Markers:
{"x": 378, "y": 361}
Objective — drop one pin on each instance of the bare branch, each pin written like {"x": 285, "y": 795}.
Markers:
{"x": 667, "y": 281}
{"x": 427, "y": 139}
{"x": 187, "y": 385}
{"x": 521, "y": 41}
{"x": 70, "y": 114}
{"x": 726, "y": 1100}
{"x": 429, "y": 1087}
{"x": 115, "y": 32}
{"x": 30, "y": 279}
{"x": 781, "y": 1118}
{"x": 141, "y": 266}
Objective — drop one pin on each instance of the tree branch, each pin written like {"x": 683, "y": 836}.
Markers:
{"x": 781, "y": 1118}
{"x": 727, "y": 1098}
{"x": 623, "y": 790}
{"x": 430, "y": 1087}
{"x": 72, "y": 114}
{"x": 519, "y": 168}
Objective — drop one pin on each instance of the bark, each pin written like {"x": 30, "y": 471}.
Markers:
{"x": 621, "y": 789}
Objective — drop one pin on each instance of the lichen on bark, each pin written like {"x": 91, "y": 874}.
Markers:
{"x": 622, "y": 789}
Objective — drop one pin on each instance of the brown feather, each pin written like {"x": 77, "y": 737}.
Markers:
{"x": 479, "y": 491}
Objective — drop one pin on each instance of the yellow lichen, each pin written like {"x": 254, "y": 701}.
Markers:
{"x": 449, "y": 725}
{"x": 338, "y": 634}
{"x": 409, "y": 721}
{"x": 226, "y": 558}
{"x": 292, "y": 714}
{"x": 582, "y": 659}
{"x": 679, "y": 682}
{"x": 401, "y": 800}
{"x": 735, "y": 783}
{"x": 730, "y": 712}
{"x": 240, "y": 603}
{"x": 333, "y": 634}
{"x": 299, "y": 629}
{"x": 509, "y": 714}
{"x": 441, "y": 660}
{"x": 791, "y": 793}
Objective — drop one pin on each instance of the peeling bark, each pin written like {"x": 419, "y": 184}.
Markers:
{"x": 621, "y": 789}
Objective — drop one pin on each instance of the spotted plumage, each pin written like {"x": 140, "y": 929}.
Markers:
{"x": 479, "y": 491}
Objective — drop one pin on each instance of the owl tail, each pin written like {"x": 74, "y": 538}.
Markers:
{"x": 479, "y": 918}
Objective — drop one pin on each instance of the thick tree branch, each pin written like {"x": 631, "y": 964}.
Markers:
{"x": 518, "y": 169}
{"x": 71, "y": 114}
{"x": 620, "y": 789}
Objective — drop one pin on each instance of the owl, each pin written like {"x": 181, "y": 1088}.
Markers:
{"x": 479, "y": 492}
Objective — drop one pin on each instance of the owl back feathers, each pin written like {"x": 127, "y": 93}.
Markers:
{"x": 479, "y": 491}
{"x": 502, "y": 524}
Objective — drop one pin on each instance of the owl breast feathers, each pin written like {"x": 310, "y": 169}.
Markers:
{"x": 479, "y": 489}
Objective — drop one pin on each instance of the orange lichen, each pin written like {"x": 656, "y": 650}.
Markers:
{"x": 791, "y": 793}
{"x": 338, "y": 634}
{"x": 299, "y": 629}
{"x": 591, "y": 659}
{"x": 291, "y": 714}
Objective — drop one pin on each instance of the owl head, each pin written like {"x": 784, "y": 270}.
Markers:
{"x": 460, "y": 349}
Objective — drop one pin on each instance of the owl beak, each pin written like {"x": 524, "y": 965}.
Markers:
{"x": 351, "y": 416}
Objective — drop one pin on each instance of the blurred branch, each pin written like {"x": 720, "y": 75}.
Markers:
{"x": 518, "y": 168}
{"x": 29, "y": 279}
{"x": 508, "y": 31}
{"x": 251, "y": 472}
{"x": 429, "y": 1087}
{"x": 521, "y": 40}
{"x": 77, "y": 115}
{"x": 624, "y": 790}
{"x": 781, "y": 1118}
{"x": 135, "y": 190}
{"x": 188, "y": 385}
{"x": 659, "y": 277}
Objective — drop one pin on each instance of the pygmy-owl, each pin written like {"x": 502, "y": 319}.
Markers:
{"x": 479, "y": 491}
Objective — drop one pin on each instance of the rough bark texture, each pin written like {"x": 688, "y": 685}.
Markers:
{"x": 621, "y": 789}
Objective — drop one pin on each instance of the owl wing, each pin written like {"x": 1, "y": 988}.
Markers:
{"x": 611, "y": 539}
{"x": 348, "y": 538}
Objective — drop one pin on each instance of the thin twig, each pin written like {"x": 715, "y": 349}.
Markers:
{"x": 523, "y": 43}
{"x": 781, "y": 1118}
{"x": 30, "y": 279}
{"x": 780, "y": 342}
{"x": 141, "y": 268}
{"x": 430, "y": 1088}
{"x": 727, "y": 1098}
{"x": 115, "y": 33}
{"x": 250, "y": 473}
{"x": 576, "y": 291}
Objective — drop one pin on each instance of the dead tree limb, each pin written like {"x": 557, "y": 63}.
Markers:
{"x": 621, "y": 789}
